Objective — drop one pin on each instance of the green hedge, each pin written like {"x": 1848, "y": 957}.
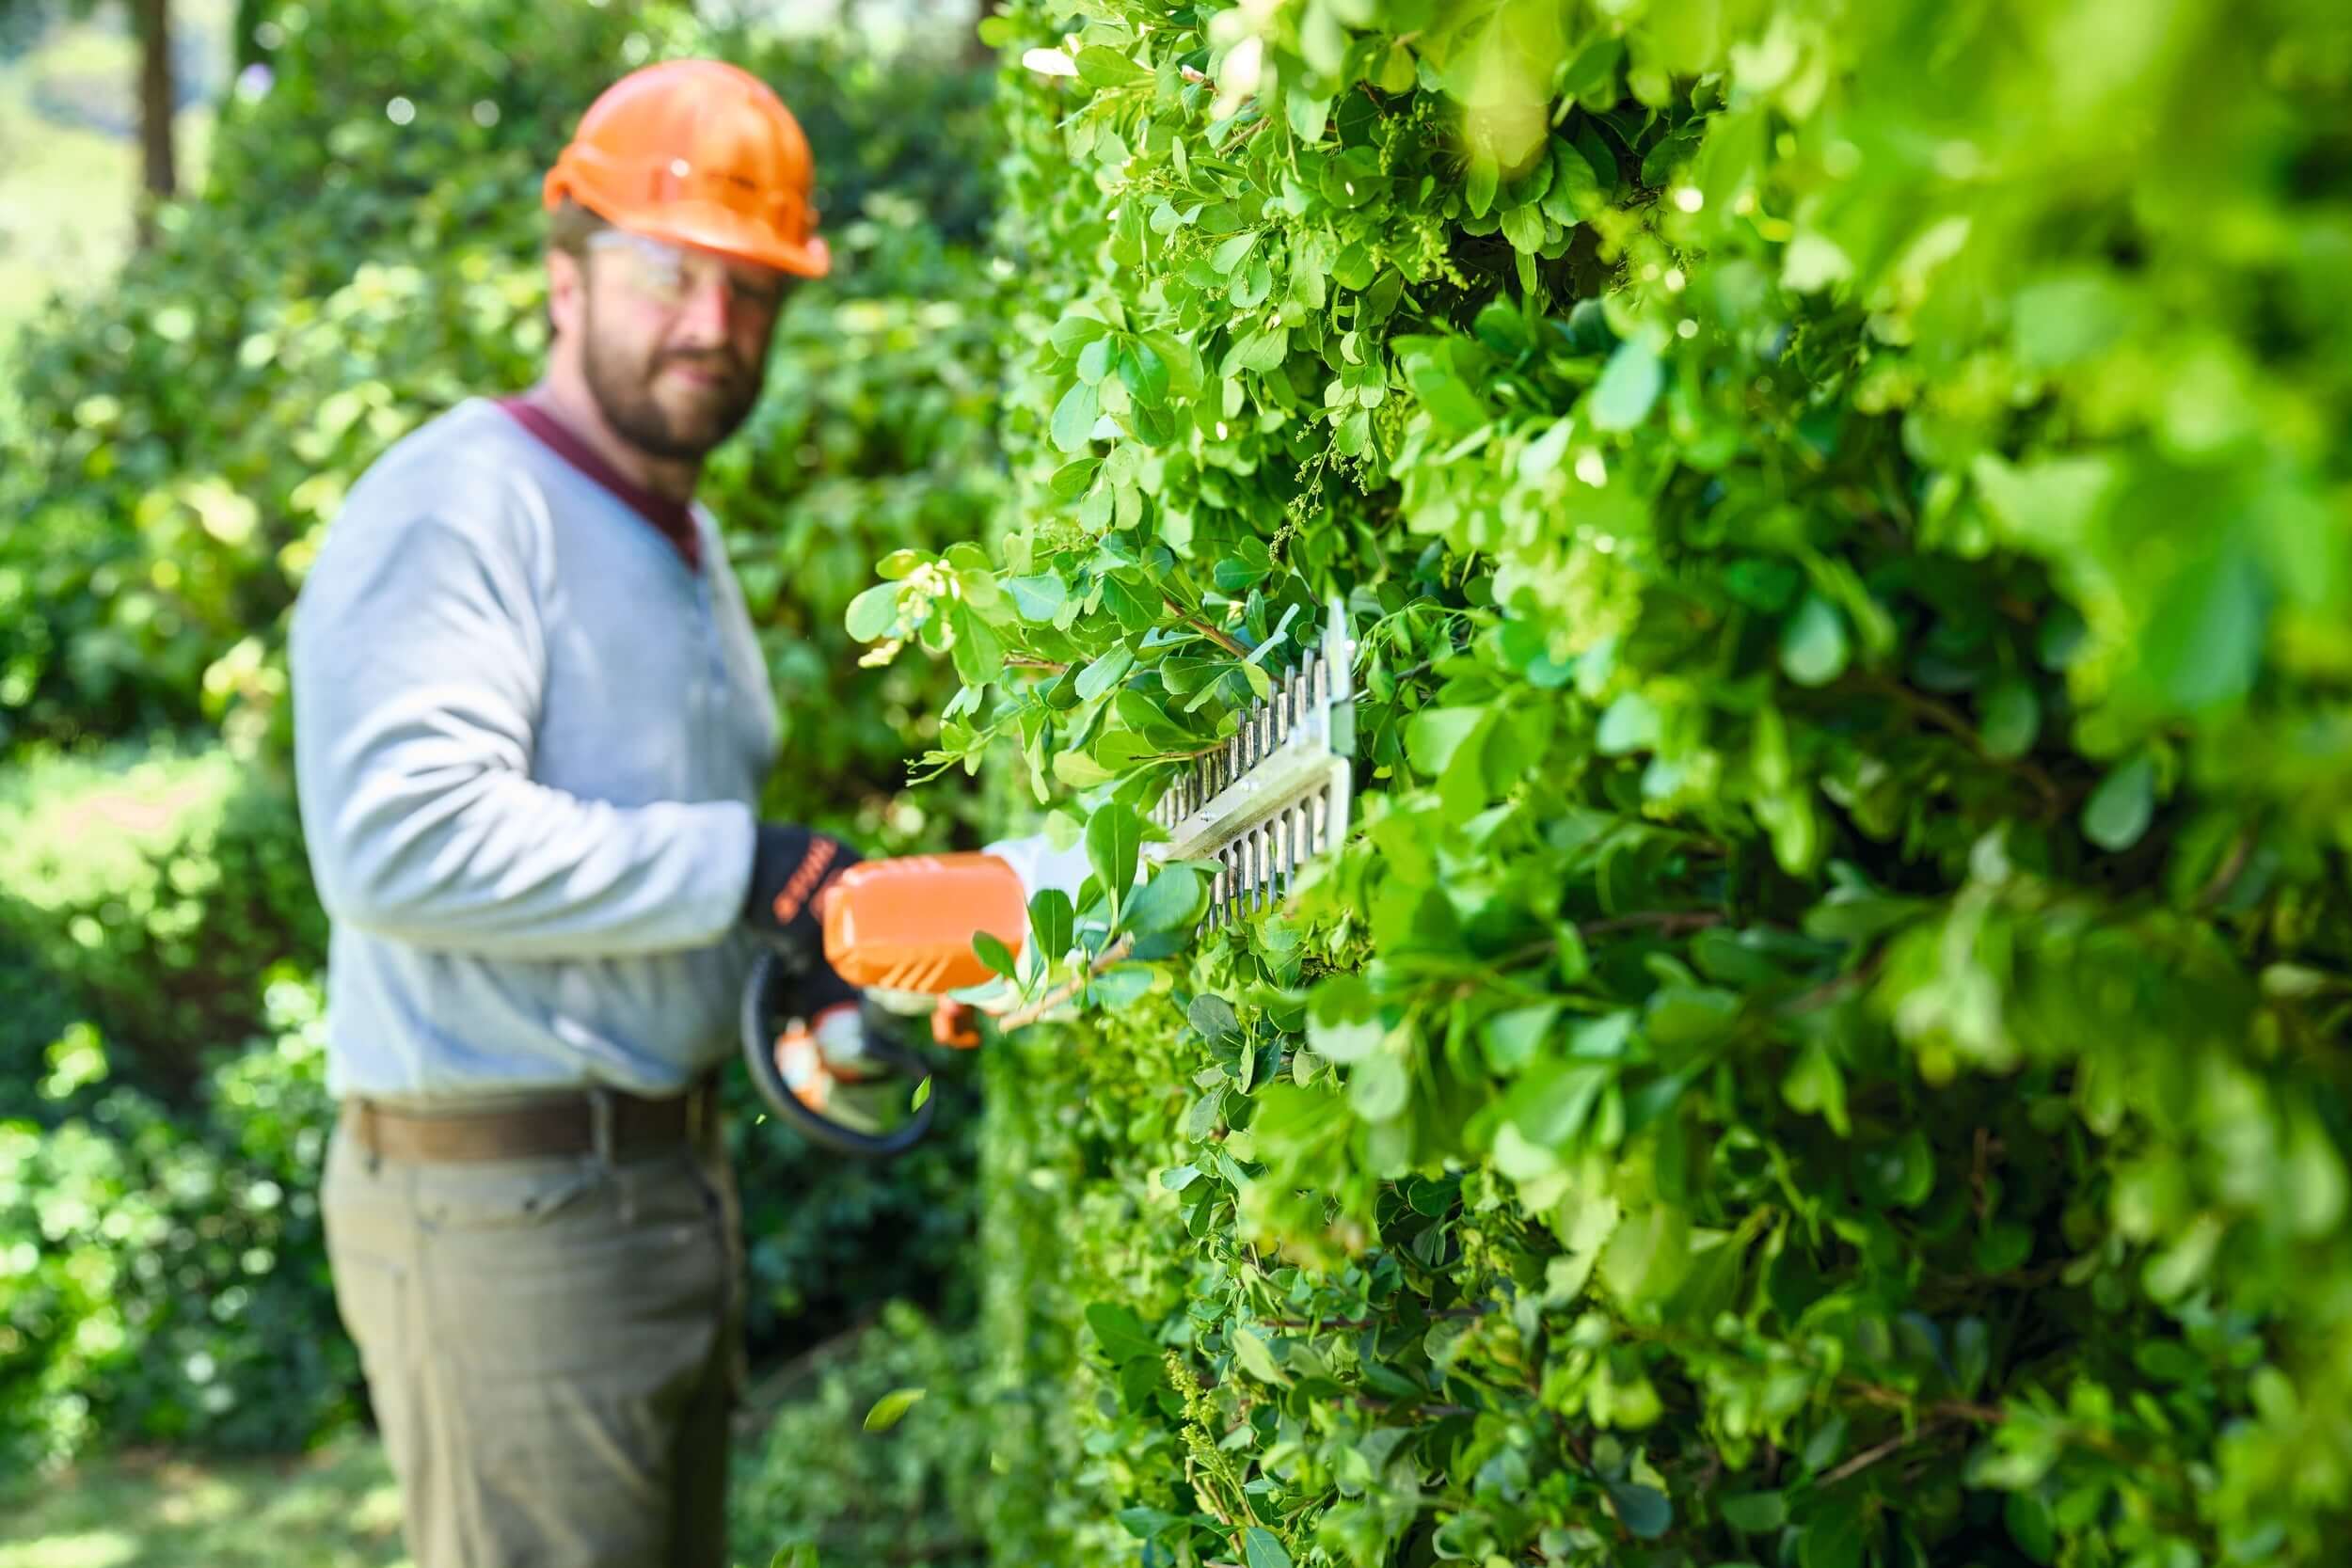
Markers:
{"x": 1827, "y": 1046}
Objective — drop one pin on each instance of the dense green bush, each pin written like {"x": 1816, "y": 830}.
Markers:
{"x": 1827, "y": 1047}
{"x": 915, "y": 1490}
{"x": 156, "y": 886}
{"x": 161, "y": 1272}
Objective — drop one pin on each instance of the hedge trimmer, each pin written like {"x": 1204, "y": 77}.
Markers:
{"x": 1273, "y": 798}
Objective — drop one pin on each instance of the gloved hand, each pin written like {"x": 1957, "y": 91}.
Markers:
{"x": 791, "y": 867}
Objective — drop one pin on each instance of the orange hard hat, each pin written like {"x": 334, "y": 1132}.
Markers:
{"x": 699, "y": 152}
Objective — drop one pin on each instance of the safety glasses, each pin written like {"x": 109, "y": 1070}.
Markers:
{"x": 671, "y": 275}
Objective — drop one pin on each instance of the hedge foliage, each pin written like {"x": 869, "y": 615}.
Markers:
{"x": 1827, "y": 1046}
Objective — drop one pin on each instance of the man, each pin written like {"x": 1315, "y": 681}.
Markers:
{"x": 532, "y": 724}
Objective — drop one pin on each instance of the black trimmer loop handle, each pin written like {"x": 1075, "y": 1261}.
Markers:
{"x": 763, "y": 1009}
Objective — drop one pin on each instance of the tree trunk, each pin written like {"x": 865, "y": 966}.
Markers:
{"x": 159, "y": 173}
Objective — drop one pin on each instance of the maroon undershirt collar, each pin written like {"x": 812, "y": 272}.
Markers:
{"x": 674, "y": 518}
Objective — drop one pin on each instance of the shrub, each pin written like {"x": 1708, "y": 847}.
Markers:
{"x": 164, "y": 1275}
{"x": 1826, "y": 1048}
{"x": 157, "y": 885}
{"x": 911, "y": 1492}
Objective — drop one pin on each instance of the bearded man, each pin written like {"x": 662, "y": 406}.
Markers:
{"x": 533, "y": 724}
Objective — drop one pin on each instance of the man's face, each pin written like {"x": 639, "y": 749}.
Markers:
{"x": 674, "y": 341}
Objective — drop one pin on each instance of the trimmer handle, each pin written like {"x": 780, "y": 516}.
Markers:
{"x": 770, "y": 1022}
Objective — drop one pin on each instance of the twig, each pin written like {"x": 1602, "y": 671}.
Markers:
{"x": 1223, "y": 639}
{"x": 1030, "y": 661}
{"x": 1030, "y": 1013}
{"x": 2232, "y": 863}
{"x": 1830, "y": 990}
{"x": 1945, "y": 718}
{"x": 1868, "y": 1457}
{"x": 1668, "y": 920}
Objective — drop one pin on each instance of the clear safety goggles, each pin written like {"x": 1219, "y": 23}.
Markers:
{"x": 671, "y": 274}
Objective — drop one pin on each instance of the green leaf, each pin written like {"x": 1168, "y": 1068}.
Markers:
{"x": 1105, "y": 672}
{"x": 1175, "y": 898}
{"x": 887, "y": 1410}
{"x": 1144, "y": 374}
{"x": 1229, "y": 254}
{"x": 1813, "y": 649}
{"x": 1484, "y": 177}
{"x": 922, "y": 1093}
{"x": 1114, "y": 840}
{"x": 1071, "y": 479}
{"x": 1075, "y": 417}
{"x": 1261, "y": 1549}
{"x": 1645, "y": 1512}
{"x": 2206, "y": 630}
{"x": 1753, "y": 1513}
{"x": 2013, "y": 718}
{"x": 1628, "y": 385}
{"x": 1052, "y": 922}
{"x": 1632, "y": 723}
{"x": 2027, "y": 1517}
{"x": 1512, "y": 1038}
{"x": 992, "y": 951}
{"x": 1038, "y": 597}
{"x": 1834, "y": 1538}
{"x": 2120, "y": 810}
{"x": 801, "y": 1554}
{"x": 1341, "y": 1020}
{"x": 979, "y": 652}
{"x": 1079, "y": 770}
{"x": 1212, "y": 1017}
{"x": 1435, "y": 734}
{"x": 1144, "y": 1524}
{"x": 1073, "y": 332}
{"x": 1257, "y": 1358}
{"x": 873, "y": 612}
{"x": 1119, "y": 1332}
{"x": 1099, "y": 67}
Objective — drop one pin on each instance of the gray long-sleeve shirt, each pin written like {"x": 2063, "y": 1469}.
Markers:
{"x": 530, "y": 739}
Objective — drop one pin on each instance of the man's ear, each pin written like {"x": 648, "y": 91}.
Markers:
{"x": 567, "y": 292}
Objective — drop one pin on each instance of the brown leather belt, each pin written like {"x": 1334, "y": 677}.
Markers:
{"x": 607, "y": 1121}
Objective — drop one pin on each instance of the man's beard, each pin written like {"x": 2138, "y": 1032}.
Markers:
{"x": 624, "y": 395}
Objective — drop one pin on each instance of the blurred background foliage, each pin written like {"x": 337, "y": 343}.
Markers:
{"x": 357, "y": 249}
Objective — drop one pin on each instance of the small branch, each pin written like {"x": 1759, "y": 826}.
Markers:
{"x": 1031, "y": 1012}
{"x": 1223, "y": 639}
{"x": 2235, "y": 862}
{"x": 1830, "y": 990}
{"x": 1667, "y": 921}
{"x": 1945, "y": 718}
{"x": 1030, "y": 661}
{"x": 1868, "y": 1457}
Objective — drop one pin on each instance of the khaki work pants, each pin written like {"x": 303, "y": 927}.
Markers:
{"x": 552, "y": 1347}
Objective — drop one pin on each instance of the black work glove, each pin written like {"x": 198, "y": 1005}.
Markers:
{"x": 790, "y": 866}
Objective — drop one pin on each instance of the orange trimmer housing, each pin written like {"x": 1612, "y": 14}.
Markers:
{"x": 907, "y": 923}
